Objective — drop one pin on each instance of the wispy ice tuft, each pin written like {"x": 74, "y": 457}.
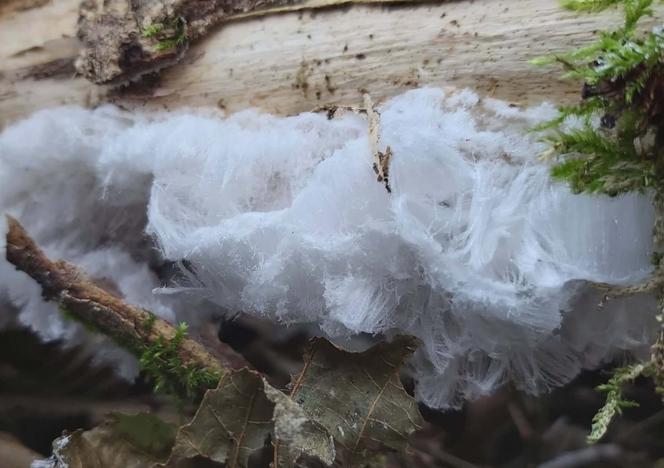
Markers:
{"x": 476, "y": 251}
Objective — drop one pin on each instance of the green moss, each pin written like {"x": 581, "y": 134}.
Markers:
{"x": 615, "y": 402}
{"x": 616, "y": 144}
{"x": 153, "y": 30}
{"x": 169, "y": 35}
{"x": 634, "y": 9}
{"x": 595, "y": 163}
{"x": 589, "y": 5}
{"x": 162, "y": 363}
{"x": 623, "y": 76}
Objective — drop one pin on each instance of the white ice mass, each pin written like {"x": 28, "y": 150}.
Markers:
{"x": 476, "y": 251}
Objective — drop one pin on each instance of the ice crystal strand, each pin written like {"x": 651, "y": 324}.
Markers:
{"x": 283, "y": 217}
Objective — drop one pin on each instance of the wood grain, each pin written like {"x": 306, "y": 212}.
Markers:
{"x": 294, "y": 61}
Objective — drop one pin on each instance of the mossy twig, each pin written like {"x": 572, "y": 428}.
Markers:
{"x": 167, "y": 353}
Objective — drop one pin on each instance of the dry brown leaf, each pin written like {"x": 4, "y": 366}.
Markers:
{"x": 358, "y": 397}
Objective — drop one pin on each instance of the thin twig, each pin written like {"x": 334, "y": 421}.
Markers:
{"x": 652, "y": 285}
{"x": 65, "y": 284}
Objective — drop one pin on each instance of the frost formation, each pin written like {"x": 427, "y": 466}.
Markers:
{"x": 476, "y": 251}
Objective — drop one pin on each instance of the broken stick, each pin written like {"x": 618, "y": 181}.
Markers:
{"x": 133, "y": 327}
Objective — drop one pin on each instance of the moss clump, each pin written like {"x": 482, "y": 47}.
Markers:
{"x": 152, "y": 30}
{"x": 170, "y": 35}
{"x": 161, "y": 361}
{"x": 616, "y": 145}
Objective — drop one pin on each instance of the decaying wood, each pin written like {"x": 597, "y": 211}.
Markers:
{"x": 64, "y": 283}
{"x": 117, "y": 46}
{"x": 297, "y": 60}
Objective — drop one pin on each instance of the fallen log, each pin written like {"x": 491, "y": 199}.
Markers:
{"x": 303, "y": 56}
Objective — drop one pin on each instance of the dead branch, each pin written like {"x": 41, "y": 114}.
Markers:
{"x": 132, "y": 327}
{"x": 611, "y": 292}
